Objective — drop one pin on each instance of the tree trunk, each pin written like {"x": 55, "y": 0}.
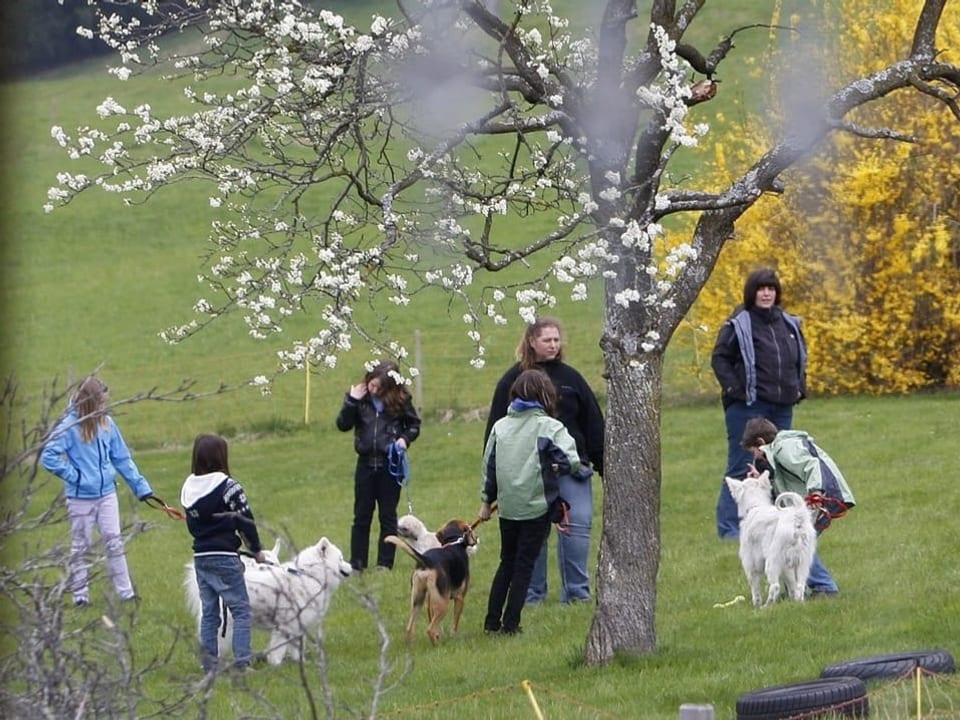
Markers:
{"x": 629, "y": 557}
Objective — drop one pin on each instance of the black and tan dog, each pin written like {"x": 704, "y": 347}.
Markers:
{"x": 442, "y": 575}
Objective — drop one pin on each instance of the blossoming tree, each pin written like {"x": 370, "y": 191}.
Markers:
{"x": 379, "y": 162}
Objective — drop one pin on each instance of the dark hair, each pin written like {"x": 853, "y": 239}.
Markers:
{"x": 758, "y": 431}
{"x": 392, "y": 392}
{"x": 535, "y": 386}
{"x": 525, "y": 352}
{"x": 764, "y": 277}
{"x": 209, "y": 455}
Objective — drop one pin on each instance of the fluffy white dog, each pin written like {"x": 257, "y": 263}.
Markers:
{"x": 777, "y": 538}
{"x": 411, "y": 528}
{"x": 288, "y": 599}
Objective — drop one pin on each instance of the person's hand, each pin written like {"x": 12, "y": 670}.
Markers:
{"x": 752, "y": 471}
{"x": 401, "y": 443}
{"x": 358, "y": 391}
{"x": 261, "y": 558}
{"x": 484, "y": 513}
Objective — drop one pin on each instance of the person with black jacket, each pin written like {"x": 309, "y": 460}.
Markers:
{"x": 760, "y": 361}
{"x": 577, "y": 408}
{"x": 380, "y": 411}
{"x": 219, "y": 519}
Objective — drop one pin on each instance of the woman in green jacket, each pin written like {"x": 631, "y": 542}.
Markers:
{"x": 526, "y": 453}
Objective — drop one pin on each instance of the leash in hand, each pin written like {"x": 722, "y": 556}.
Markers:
{"x": 155, "y": 502}
{"x": 476, "y": 523}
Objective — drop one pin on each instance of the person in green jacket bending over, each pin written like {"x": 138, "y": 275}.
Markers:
{"x": 798, "y": 464}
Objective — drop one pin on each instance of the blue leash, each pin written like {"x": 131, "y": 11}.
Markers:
{"x": 398, "y": 465}
{"x": 399, "y": 468}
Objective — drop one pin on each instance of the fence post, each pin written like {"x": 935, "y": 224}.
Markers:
{"x": 691, "y": 711}
{"x": 418, "y": 362}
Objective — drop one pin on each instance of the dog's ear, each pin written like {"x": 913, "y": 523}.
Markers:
{"x": 735, "y": 486}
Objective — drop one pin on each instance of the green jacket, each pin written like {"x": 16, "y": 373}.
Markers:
{"x": 525, "y": 454}
{"x": 800, "y": 465}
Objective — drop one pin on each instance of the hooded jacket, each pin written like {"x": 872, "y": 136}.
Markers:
{"x": 577, "y": 408}
{"x": 524, "y": 456}
{"x": 218, "y": 516}
{"x": 89, "y": 469}
{"x": 800, "y": 465}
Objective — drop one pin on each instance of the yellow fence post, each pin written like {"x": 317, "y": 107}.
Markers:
{"x": 919, "y": 711}
{"x": 533, "y": 701}
{"x": 306, "y": 394}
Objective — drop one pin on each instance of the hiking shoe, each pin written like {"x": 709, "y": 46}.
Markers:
{"x": 815, "y": 594}
{"x": 81, "y": 602}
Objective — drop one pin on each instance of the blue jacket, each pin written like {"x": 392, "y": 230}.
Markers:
{"x": 89, "y": 469}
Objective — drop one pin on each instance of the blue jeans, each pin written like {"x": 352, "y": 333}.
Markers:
{"x": 573, "y": 548}
{"x": 221, "y": 577}
{"x": 820, "y": 579}
{"x": 736, "y": 416}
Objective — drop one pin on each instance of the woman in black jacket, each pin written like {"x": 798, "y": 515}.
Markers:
{"x": 380, "y": 412}
{"x": 760, "y": 360}
{"x": 541, "y": 347}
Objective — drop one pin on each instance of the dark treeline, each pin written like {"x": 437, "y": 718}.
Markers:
{"x": 38, "y": 35}
{"x": 42, "y": 34}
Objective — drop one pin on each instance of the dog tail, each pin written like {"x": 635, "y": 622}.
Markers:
{"x": 789, "y": 499}
{"x": 408, "y": 549}
{"x": 191, "y": 591}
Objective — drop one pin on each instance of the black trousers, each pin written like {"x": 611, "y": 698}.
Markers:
{"x": 520, "y": 543}
{"x": 373, "y": 487}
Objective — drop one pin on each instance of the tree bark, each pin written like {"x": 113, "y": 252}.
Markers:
{"x": 629, "y": 556}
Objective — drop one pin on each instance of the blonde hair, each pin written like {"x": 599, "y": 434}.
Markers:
{"x": 526, "y": 355}
{"x": 89, "y": 402}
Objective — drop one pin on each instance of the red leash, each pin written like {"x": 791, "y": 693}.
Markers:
{"x": 155, "y": 502}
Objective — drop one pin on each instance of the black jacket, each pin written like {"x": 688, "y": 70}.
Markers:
{"x": 772, "y": 368}
{"x": 218, "y": 515}
{"x": 577, "y": 409}
{"x": 375, "y": 431}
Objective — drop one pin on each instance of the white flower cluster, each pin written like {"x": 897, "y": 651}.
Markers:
{"x": 669, "y": 96}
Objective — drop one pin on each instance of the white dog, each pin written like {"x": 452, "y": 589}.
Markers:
{"x": 777, "y": 538}
{"x": 412, "y": 529}
{"x": 288, "y": 599}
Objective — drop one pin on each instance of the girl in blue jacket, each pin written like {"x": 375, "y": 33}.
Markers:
{"x": 86, "y": 451}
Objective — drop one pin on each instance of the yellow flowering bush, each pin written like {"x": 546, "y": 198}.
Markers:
{"x": 866, "y": 238}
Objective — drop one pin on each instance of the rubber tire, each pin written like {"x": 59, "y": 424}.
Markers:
{"x": 893, "y": 666}
{"x": 806, "y": 698}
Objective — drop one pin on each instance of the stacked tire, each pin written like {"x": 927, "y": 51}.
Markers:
{"x": 841, "y": 688}
{"x": 846, "y": 696}
{"x": 896, "y": 665}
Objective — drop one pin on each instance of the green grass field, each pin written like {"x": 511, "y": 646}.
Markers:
{"x": 893, "y": 556}
{"x": 92, "y": 284}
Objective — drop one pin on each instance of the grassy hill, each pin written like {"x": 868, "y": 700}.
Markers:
{"x": 92, "y": 284}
